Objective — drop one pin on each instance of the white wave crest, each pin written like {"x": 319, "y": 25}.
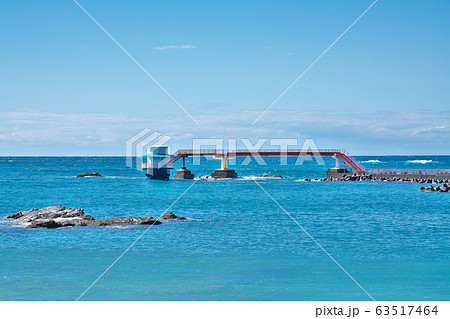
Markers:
{"x": 419, "y": 161}
{"x": 372, "y": 161}
{"x": 309, "y": 181}
{"x": 252, "y": 177}
{"x": 203, "y": 177}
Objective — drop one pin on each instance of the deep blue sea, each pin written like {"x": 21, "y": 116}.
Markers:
{"x": 237, "y": 243}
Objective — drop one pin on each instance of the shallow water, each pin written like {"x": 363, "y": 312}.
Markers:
{"x": 237, "y": 244}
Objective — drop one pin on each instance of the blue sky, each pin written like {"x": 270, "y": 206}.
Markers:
{"x": 68, "y": 89}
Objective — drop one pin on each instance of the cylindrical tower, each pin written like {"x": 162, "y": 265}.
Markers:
{"x": 156, "y": 162}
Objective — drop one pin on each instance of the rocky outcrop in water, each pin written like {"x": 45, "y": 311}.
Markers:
{"x": 171, "y": 216}
{"x": 431, "y": 188}
{"x": 93, "y": 174}
{"x": 59, "y": 216}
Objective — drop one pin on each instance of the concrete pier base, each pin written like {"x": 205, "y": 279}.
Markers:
{"x": 224, "y": 173}
{"x": 158, "y": 173}
{"x": 337, "y": 172}
{"x": 183, "y": 174}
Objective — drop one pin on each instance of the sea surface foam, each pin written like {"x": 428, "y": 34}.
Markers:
{"x": 419, "y": 161}
{"x": 372, "y": 161}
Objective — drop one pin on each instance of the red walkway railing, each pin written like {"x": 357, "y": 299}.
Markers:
{"x": 341, "y": 153}
{"x": 348, "y": 159}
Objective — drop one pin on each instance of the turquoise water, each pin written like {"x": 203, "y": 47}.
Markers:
{"x": 237, "y": 244}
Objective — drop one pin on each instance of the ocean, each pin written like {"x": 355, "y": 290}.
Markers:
{"x": 237, "y": 243}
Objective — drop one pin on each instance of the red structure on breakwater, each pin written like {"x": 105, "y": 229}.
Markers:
{"x": 338, "y": 154}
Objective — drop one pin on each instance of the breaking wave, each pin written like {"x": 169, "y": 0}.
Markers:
{"x": 250, "y": 177}
{"x": 372, "y": 161}
{"x": 260, "y": 177}
{"x": 419, "y": 161}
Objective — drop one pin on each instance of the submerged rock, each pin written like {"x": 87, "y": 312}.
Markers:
{"x": 59, "y": 216}
{"x": 93, "y": 174}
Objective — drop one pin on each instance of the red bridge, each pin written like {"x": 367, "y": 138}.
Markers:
{"x": 336, "y": 153}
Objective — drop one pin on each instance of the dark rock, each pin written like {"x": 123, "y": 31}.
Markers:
{"x": 74, "y": 222}
{"x": 93, "y": 174}
{"x": 15, "y": 215}
{"x": 60, "y": 216}
{"x": 44, "y": 223}
{"x": 145, "y": 220}
{"x": 171, "y": 216}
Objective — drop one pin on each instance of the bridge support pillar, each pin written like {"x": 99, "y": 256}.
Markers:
{"x": 183, "y": 173}
{"x": 338, "y": 161}
{"x": 224, "y": 171}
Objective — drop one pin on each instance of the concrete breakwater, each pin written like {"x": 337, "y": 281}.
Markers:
{"x": 347, "y": 176}
{"x": 361, "y": 177}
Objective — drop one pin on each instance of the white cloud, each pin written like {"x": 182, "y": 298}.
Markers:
{"x": 101, "y": 133}
{"x": 179, "y": 47}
